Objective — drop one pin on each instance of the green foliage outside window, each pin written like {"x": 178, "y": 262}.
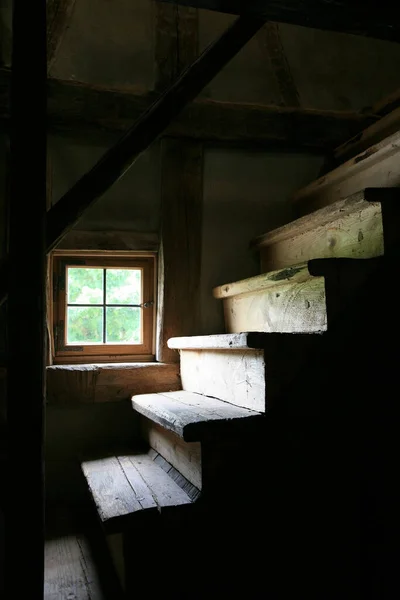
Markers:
{"x": 85, "y": 286}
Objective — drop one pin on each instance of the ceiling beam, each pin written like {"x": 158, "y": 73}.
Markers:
{"x": 118, "y": 159}
{"x": 79, "y": 109}
{"x": 375, "y": 19}
{"x": 59, "y": 13}
{"x": 387, "y": 105}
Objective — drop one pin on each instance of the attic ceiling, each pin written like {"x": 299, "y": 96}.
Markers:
{"x": 119, "y": 45}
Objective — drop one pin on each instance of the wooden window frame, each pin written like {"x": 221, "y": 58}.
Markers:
{"x": 63, "y": 353}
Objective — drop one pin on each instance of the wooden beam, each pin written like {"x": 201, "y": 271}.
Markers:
{"x": 374, "y": 19}
{"x": 84, "y": 110}
{"x": 367, "y": 138}
{"x": 180, "y": 255}
{"x": 387, "y": 105}
{"x": 59, "y": 13}
{"x": 115, "y": 162}
{"x": 272, "y": 43}
{"x": 26, "y": 300}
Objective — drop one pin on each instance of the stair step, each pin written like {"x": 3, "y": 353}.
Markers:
{"x": 195, "y": 417}
{"x": 303, "y": 298}
{"x": 131, "y": 488}
{"x": 288, "y": 300}
{"x": 223, "y": 341}
{"x": 350, "y": 228}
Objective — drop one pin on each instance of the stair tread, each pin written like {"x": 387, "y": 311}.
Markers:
{"x": 294, "y": 274}
{"x": 224, "y": 341}
{"x": 193, "y": 416}
{"x": 131, "y": 486}
{"x": 315, "y": 219}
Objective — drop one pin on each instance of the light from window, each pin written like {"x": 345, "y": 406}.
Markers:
{"x": 103, "y": 306}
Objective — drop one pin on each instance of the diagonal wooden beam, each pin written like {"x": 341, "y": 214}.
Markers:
{"x": 59, "y": 13}
{"x": 147, "y": 128}
{"x": 374, "y": 19}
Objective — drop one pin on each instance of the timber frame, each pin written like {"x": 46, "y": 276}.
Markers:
{"x": 41, "y": 232}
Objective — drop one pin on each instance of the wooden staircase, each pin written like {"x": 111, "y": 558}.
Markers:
{"x": 203, "y": 447}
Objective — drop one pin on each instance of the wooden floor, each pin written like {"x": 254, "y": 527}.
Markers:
{"x": 77, "y": 564}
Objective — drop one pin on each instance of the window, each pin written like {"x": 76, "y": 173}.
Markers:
{"x": 103, "y": 307}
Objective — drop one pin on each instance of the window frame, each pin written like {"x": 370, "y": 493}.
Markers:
{"x": 63, "y": 353}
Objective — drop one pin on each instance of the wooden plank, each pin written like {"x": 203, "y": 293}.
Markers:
{"x": 76, "y": 384}
{"x": 176, "y": 44}
{"x": 351, "y": 227}
{"x": 266, "y": 281}
{"x": 109, "y": 240}
{"x": 70, "y": 571}
{"x": 180, "y": 252}
{"x": 223, "y": 341}
{"x": 59, "y": 13}
{"x": 166, "y": 493}
{"x": 184, "y": 456}
{"x": 376, "y": 20}
{"x": 373, "y": 134}
{"x": 116, "y": 501}
{"x": 192, "y": 416}
{"x": 26, "y": 301}
{"x": 275, "y": 53}
{"x": 88, "y": 110}
{"x": 115, "y": 162}
{"x": 376, "y": 167}
{"x": 289, "y": 308}
{"x": 235, "y": 376}
{"x": 388, "y": 104}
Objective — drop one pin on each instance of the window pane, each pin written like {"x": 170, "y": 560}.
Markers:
{"x": 123, "y": 325}
{"x": 85, "y": 325}
{"x": 124, "y": 286}
{"x": 85, "y": 286}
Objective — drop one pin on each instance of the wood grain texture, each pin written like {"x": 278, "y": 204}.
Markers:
{"x": 131, "y": 488}
{"x": 346, "y": 228}
{"x": 184, "y": 456}
{"x": 289, "y": 308}
{"x": 270, "y": 40}
{"x": 376, "y": 20}
{"x": 376, "y": 132}
{"x": 180, "y": 256}
{"x": 266, "y": 281}
{"x": 176, "y": 44}
{"x": 223, "y": 341}
{"x": 59, "y": 13}
{"x": 235, "y": 376}
{"x": 193, "y": 416}
{"x": 75, "y": 384}
{"x": 375, "y": 167}
{"x": 70, "y": 571}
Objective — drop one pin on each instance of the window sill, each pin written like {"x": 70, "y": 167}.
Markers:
{"x": 75, "y": 384}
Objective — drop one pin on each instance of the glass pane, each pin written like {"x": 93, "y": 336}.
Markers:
{"x": 124, "y": 286}
{"x": 85, "y": 325}
{"x": 123, "y": 325}
{"x": 85, "y": 286}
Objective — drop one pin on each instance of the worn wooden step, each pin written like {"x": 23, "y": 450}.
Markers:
{"x": 195, "y": 417}
{"x": 288, "y": 300}
{"x": 228, "y": 367}
{"x": 350, "y": 227}
{"x": 131, "y": 489}
{"x": 298, "y": 299}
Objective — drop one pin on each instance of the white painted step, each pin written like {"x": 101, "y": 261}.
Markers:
{"x": 349, "y": 227}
